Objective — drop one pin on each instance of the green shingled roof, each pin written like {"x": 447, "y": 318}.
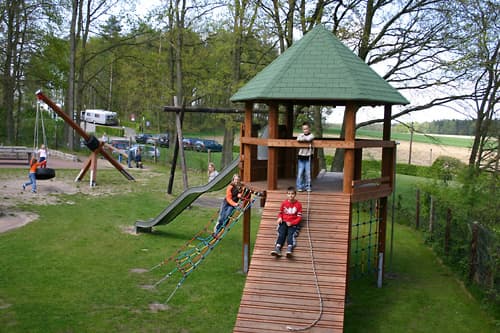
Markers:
{"x": 319, "y": 69}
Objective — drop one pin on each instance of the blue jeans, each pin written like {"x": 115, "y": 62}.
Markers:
{"x": 225, "y": 211}
{"x": 303, "y": 174}
{"x": 32, "y": 181}
{"x": 286, "y": 232}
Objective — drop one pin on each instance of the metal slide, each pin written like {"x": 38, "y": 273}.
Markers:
{"x": 187, "y": 197}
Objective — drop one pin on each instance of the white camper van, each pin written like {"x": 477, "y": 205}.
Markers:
{"x": 98, "y": 116}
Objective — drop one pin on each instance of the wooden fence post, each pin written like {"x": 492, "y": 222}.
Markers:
{"x": 431, "y": 216}
{"x": 447, "y": 232}
{"x": 473, "y": 251}
{"x": 417, "y": 210}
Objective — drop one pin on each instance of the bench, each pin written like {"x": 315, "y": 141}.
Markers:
{"x": 15, "y": 152}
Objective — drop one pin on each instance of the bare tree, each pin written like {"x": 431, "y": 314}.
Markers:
{"x": 481, "y": 60}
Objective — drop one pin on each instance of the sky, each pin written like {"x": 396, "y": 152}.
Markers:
{"x": 369, "y": 113}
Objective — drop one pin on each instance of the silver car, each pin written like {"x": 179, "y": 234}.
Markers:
{"x": 147, "y": 151}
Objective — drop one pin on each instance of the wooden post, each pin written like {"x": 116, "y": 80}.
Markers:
{"x": 447, "y": 232}
{"x": 178, "y": 124}
{"x": 388, "y": 153}
{"x": 473, "y": 251}
{"x": 358, "y": 163}
{"x": 246, "y": 240}
{"x": 382, "y": 229}
{"x": 272, "y": 162}
{"x": 411, "y": 143}
{"x": 417, "y": 210}
{"x": 93, "y": 169}
{"x": 350, "y": 136}
{"x": 431, "y": 216}
{"x": 246, "y": 177}
{"x": 247, "y": 149}
{"x": 291, "y": 154}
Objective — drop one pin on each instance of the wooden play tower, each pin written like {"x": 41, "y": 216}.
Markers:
{"x": 282, "y": 294}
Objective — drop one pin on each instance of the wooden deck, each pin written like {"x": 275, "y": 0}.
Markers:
{"x": 324, "y": 182}
{"x": 281, "y": 292}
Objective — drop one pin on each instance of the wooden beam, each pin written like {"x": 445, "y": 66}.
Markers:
{"x": 272, "y": 162}
{"x": 350, "y": 137}
{"x": 247, "y": 172}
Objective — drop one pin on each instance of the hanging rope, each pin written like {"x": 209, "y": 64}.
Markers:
{"x": 39, "y": 120}
{"x": 44, "y": 137}
{"x": 313, "y": 266}
{"x": 35, "y": 131}
{"x": 191, "y": 255}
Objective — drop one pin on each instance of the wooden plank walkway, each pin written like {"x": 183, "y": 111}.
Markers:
{"x": 282, "y": 292}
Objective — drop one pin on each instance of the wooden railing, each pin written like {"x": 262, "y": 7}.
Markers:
{"x": 360, "y": 189}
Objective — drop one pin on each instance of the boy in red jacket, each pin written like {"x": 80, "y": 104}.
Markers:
{"x": 289, "y": 218}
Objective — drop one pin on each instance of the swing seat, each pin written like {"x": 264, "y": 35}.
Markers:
{"x": 45, "y": 173}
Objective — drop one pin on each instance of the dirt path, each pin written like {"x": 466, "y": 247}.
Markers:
{"x": 12, "y": 193}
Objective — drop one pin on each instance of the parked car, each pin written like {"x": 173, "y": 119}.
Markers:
{"x": 188, "y": 143}
{"x": 120, "y": 144}
{"x": 160, "y": 139}
{"x": 147, "y": 151}
{"x": 206, "y": 145}
{"x": 164, "y": 140}
{"x": 143, "y": 137}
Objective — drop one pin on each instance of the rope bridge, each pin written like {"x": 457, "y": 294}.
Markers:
{"x": 191, "y": 255}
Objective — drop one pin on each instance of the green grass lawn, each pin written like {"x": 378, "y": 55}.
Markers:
{"x": 419, "y": 294}
{"x": 70, "y": 271}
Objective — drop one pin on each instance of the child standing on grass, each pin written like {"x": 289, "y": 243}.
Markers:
{"x": 138, "y": 158}
{"x": 212, "y": 173}
{"x": 34, "y": 164}
{"x": 288, "y": 220}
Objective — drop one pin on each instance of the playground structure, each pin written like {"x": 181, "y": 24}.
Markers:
{"x": 95, "y": 146}
{"x": 308, "y": 292}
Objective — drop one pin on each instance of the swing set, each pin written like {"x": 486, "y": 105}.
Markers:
{"x": 90, "y": 141}
{"x": 42, "y": 173}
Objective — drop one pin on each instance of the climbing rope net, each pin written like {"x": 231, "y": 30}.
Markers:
{"x": 192, "y": 254}
{"x": 364, "y": 239}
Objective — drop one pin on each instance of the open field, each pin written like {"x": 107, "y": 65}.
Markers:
{"x": 422, "y": 153}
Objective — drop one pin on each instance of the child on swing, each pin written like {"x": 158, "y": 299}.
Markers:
{"x": 288, "y": 220}
{"x": 34, "y": 164}
{"x": 42, "y": 156}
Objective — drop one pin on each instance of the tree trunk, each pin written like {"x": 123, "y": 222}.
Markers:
{"x": 8, "y": 81}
